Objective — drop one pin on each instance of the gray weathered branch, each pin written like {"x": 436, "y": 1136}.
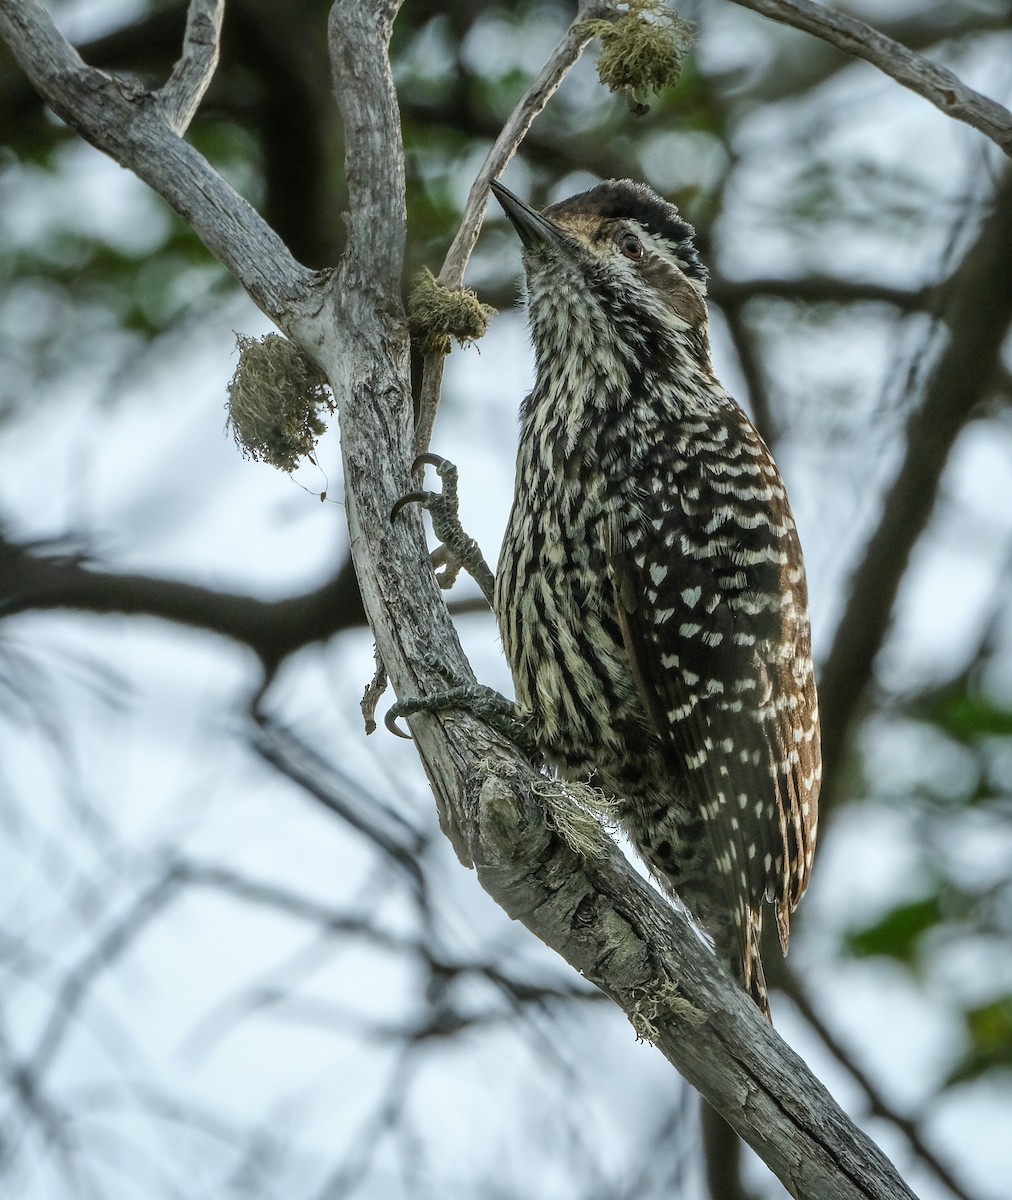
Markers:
{"x": 595, "y": 911}
{"x": 181, "y": 96}
{"x": 946, "y": 91}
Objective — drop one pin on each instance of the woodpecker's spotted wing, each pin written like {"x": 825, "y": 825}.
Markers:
{"x": 710, "y": 592}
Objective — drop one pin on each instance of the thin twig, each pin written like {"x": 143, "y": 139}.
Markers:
{"x": 819, "y": 289}
{"x": 752, "y": 368}
{"x": 936, "y": 84}
{"x": 180, "y": 98}
{"x": 561, "y": 61}
{"x": 77, "y": 983}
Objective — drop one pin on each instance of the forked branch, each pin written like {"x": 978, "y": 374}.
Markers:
{"x": 181, "y": 96}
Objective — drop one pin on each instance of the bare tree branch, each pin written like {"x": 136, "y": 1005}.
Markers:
{"x": 751, "y": 365}
{"x": 273, "y": 629}
{"x": 911, "y": 1130}
{"x": 614, "y": 928}
{"x": 722, "y": 1154}
{"x": 818, "y": 289}
{"x": 560, "y": 62}
{"x": 731, "y": 295}
{"x": 180, "y": 97}
{"x": 786, "y": 73}
{"x": 373, "y": 261}
{"x": 78, "y": 982}
{"x": 941, "y": 87}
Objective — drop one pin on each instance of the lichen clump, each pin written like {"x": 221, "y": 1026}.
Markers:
{"x": 275, "y": 401}
{"x": 437, "y": 313}
{"x": 641, "y": 50}
{"x": 663, "y": 999}
{"x": 579, "y": 814}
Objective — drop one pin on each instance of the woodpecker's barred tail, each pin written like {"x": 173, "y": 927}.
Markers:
{"x": 651, "y": 590}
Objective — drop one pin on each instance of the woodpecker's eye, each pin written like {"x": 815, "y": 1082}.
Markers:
{"x": 630, "y": 245}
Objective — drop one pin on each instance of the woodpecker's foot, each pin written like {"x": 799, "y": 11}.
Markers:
{"x": 484, "y": 702}
{"x": 457, "y": 550}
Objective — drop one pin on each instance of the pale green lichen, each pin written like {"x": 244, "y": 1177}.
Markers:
{"x": 275, "y": 399}
{"x": 579, "y": 814}
{"x": 641, "y": 49}
{"x": 651, "y": 1003}
{"x": 436, "y": 313}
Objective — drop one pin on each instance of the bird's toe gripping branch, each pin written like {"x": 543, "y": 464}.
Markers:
{"x": 484, "y": 702}
{"x": 458, "y": 550}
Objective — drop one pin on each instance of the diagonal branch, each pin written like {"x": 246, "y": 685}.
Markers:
{"x": 622, "y": 936}
{"x": 185, "y": 88}
{"x": 561, "y": 61}
{"x": 977, "y": 308}
{"x": 936, "y": 84}
{"x": 128, "y": 123}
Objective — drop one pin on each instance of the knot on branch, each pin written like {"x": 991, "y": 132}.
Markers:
{"x": 275, "y": 400}
{"x": 511, "y": 834}
{"x": 641, "y": 49}
{"x": 437, "y": 313}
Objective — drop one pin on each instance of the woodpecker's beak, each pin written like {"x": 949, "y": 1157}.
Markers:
{"x": 534, "y": 229}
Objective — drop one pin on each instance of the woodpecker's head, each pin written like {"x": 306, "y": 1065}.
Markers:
{"x": 617, "y": 266}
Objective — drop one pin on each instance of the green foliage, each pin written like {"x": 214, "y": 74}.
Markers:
{"x": 899, "y": 933}
{"x": 988, "y": 1031}
{"x": 274, "y": 401}
{"x": 967, "y": 714}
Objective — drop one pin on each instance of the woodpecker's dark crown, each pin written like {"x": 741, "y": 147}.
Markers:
{"x": 624, "y": 201}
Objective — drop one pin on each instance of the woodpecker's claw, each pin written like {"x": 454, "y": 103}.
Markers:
{"x": 483, "y": 702}
{"x": 407, "y": 708}
{"x": 390, "y": 721}
{"x": 458, "y": 550}
{"x": 422, "y": 498}
{"x": 430, "y": 460}
{"x": 425, "y": 498}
